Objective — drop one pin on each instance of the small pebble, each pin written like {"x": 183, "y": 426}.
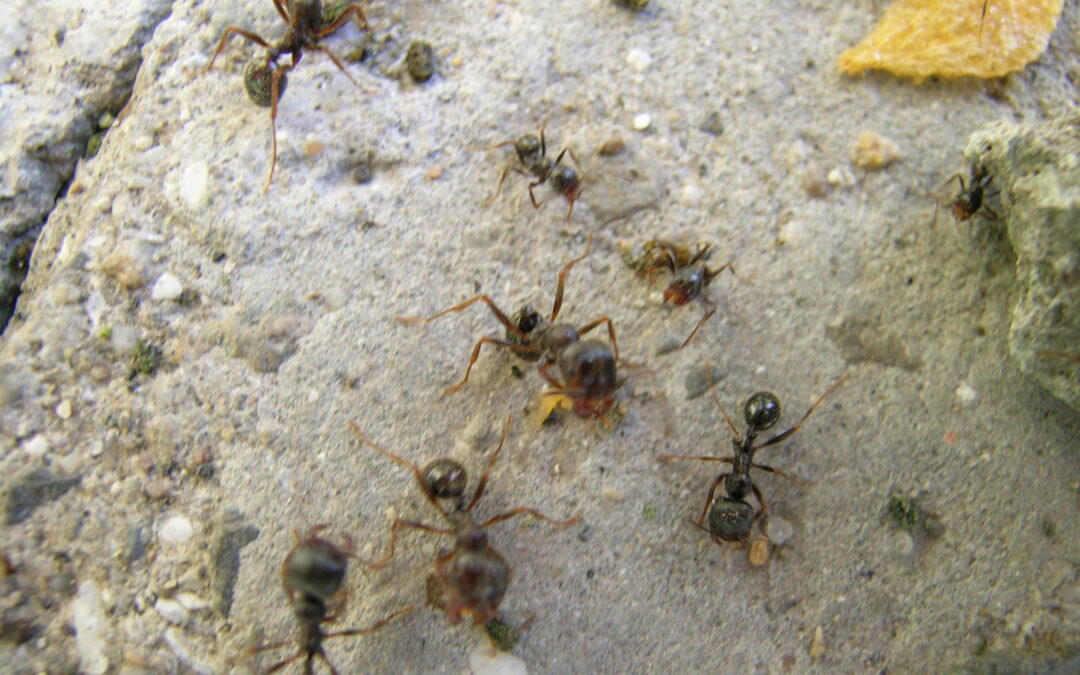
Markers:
{"x": 840, "y": 178}
{"x": 435, "y": 172}
{"x": 642, "y": 121}
{"x": 691, "y": 194}
{"x": 612, "y": 147}
{"x": 123, "y": 339}
{"x": 779, "y": 530}
{"x": 420, "y": 61}
{"x": 873, "y": 151}
{"x": 167, "y": 287}
{"x": 966, "y": 394}
{"x": 482, "y": 662}
{"x": 191, "y": 602}
{"x": 36, "y": 447}
{"x": 638, "y": 59}
{"x": 63, "y": 411}
{"x": 194, "y": 185}
{"x": 759, "y": 551}
{"x": 612, "y": 495}
{"x": 817, "y": 645}
{"x": 71, "y": 463}
{"x": 313, "y": 148}
{"x": 176, "y": 530}
{"x": 713, "y": 125}
{"x": 89, "y": 619}
{"x": 172, "y": 611}
{"x": 901, "y": 543}
{"x": 157, "y": 488}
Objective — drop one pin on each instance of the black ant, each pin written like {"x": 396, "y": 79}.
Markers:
{"x": 265, "y": 78}
{"x": 532, "y": 153}
{"x": 690, "y": 274}
{"x": 587, "y": 367}
{"x": 970, "y": 200}
{"x": 315, "y": 569}
{"x": 731, "y": 518}
{"x": 473, "y": 576}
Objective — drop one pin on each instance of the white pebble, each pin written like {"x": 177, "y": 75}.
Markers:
{"x": 638, "y": 59}
{"x": 840, "y": 178}
{"x": 642, "y": 121}
{"x": 965, "y": 393}
{"x": 901, "y": 543}
{"x": 172, "y": 611}
{"x": 691, "y": 194}
{"x": 71, "y": 463}
{"x": 779, "y": 530}
{"x": 481, "y": 662}
{"x": 191, "y": 602}
{"x": 194, "y": 184}
{"x": 36, "y": 446}
{"x": 63, "y": 411}
{"x": 167, "y": 287}
{"x": 176, "y": 530}
{"x": 90, "y": 629}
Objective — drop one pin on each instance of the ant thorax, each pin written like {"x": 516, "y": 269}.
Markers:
{"x": 556, "y": 338}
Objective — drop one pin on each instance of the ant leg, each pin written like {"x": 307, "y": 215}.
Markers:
{"x": 709, "y": 498}
{"x": 491, "y": 462}
{"x": 701, "y": 321}
{"x": 373, "y": 627}
{"x": 761, "y": 500}
{"x": 499, "y": 314}
{"x": 559, "y": 287}
{"x": 341, "y": 67}
{"x": 325, "y": 660}
{"x": 281, "y": 8}
{"x": 281, "y": 664}
{"x": 275, "y": 94}
{"x": 229, "y": 32}
{"x": 394, "y": 529}
{"x": 476, "y": 355}
{"x": 781, "y": 436}
{"x": 521, "y": 510}
{"x": 778, "y": 472}
{"x": 411, "y": 466}
{"x": 716, "y": 400}
{"x": 353, "y": 9}
{"x": 532, "y": 195}
{"x": 989, "y": 213}
{"x": 611, "y": 335}
{"x": 498, "y": 190}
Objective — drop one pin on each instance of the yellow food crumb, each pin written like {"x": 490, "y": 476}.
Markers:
{"x": 551, "y": 404}
{"x": 952, "y": 38}
{"x": 872, "y": 151}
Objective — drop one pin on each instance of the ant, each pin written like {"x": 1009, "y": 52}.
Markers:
{"x": 970, "y": 200}
{"x": 587, "y": 367}
{"x": 314, "y": 569}
{"x": 265, "y": 78}
{"x": 690, "y": 275}
{"x": 532, "y": 154}
{"x": 731, "y": 518}
{"x": 473, "y": 576}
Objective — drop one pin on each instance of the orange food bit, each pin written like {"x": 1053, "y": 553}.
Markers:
{"x": 952, "y": 38}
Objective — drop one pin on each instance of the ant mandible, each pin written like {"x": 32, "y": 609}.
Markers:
{"x": 689, "y": 278}
{"x": 265, "y": 78}
{"x": 587, "y": 367}
{"x": 532, "y": 154}
{"x": 315, "y": 569}
{"x": 731, "y": 518}
{"x": 473, "y": 576}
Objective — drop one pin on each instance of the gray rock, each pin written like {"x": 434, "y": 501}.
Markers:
{"x": 1037, "y": 169}
{"x": 33, "y": 488}
{"x": 230, "y": 535}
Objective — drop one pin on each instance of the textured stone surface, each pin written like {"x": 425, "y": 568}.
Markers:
{"x": 284, "y": 330}
{"x": 1037, "y": 169}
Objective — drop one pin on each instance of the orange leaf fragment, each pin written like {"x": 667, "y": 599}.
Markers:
{"x": 952, "y": 38}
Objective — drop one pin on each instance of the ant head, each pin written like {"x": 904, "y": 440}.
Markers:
{"x": 731, "y": 519}
{"x": 259, "y": 82}
{"x": 445, "y": 478}
{"x": 315, "y": 567}
{"x": 762, "y": 411}
{"x": 529, "y": 148}
{"x": 527, "y": 319}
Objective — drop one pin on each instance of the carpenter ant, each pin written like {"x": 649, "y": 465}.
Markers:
{"x": 690, "y": 275}
{"x": 314, "y": 569}
{"x": 587, "y": 367}
{"x": 265, "y": 78}
{"x": 532, "y": 154}
{"x": 473, "y": 576}
{"x": 731, "y": 518}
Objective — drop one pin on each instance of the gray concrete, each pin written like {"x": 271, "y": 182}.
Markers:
{"x": 283, "y": 330}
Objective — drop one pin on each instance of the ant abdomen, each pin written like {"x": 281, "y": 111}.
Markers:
{"x": 476, "y": 582}
{"x": 445, "y": 478}
{"x": 259, "y": 82}
{"x": 565, "y": 181}
{"x": 315, "y": 567}
{"x": 762, "y": 410}
{"x": 588, "y": 367}
{"x": 685, "y": 285}
{"x": 731, "y": 519}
